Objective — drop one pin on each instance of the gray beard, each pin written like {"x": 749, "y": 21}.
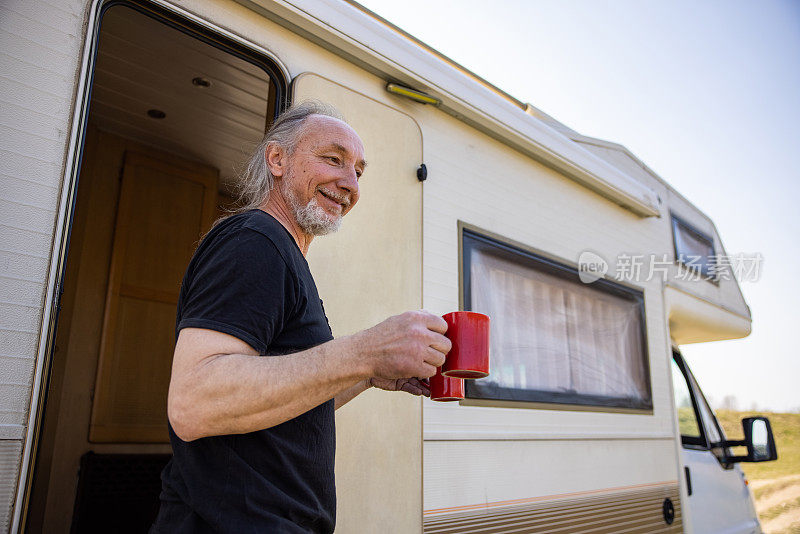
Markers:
{"x": 312, "y": 218}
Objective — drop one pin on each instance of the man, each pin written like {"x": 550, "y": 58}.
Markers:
{"x": 256, "y": 374}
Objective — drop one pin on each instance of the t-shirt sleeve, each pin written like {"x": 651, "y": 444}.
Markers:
{"x": 240, "y": 286}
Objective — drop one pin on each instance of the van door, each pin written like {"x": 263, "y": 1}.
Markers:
{"x": 719, "y": 499}
{"x": 365, "y": 272}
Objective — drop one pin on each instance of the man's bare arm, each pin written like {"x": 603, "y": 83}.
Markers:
{"x": 220, "y": 386}
{"x": 413, "y": 385}
{"x": 351, "y": 393}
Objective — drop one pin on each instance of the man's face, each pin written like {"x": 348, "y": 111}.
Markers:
{"x": 320, "y": 184}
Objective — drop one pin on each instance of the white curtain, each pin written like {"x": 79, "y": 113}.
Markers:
{"x": 552, "y": 335}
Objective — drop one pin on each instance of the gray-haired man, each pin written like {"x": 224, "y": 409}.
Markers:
{"x": 257, "y": 374}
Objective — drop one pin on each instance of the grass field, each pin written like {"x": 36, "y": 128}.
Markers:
{"x": 775, "y": 485}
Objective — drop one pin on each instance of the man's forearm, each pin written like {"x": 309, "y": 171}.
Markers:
{"x": 240, "y": 393}
{"x": 220, "y": 385}
{"x": 351, "y": 393}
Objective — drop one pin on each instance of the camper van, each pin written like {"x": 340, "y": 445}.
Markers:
{"x": 124, "y": 126}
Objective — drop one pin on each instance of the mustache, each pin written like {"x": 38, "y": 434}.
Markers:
{"x": 344, "y": 200}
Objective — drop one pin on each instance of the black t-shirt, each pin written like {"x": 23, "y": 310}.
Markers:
{"x": 249, "y": 279}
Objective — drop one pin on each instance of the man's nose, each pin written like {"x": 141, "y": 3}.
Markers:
{"x": 349, "y": 181}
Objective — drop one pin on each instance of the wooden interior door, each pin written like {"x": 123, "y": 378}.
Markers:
{"x": 164, "y": 207}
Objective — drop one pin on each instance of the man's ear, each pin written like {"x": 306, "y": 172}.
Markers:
{"x": 275, "y": 157}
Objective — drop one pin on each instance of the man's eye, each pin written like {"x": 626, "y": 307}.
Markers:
{"x": 334, "y": 159}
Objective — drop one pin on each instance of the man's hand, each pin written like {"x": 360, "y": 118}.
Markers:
{"x": 415, "y": 386}
{"x": 411, "y": 344}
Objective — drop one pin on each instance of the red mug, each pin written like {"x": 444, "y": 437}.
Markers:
{"x": 469, "y": 333}
{"x": 444, "y": 388}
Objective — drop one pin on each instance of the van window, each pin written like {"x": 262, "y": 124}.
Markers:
{"x": 693, "y": 248}
{"x": 688, "y": 421}
{"x": 553, "y": 338}
{"x": 712, "y": 428}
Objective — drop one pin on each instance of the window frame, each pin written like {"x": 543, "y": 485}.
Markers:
{"x": 720, "y": 452}
{"x": 680, "y": 223}
{"x": 471, "y": 237}
{"x": 690, "y": 442}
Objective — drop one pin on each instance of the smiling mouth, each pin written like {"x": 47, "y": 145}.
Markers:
{"x": 341, "y": 200}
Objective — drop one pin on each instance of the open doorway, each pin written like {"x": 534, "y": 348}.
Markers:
{"x": 174, "y": 111}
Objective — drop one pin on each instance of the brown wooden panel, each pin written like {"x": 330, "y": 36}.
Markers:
{"x": 144, "y": 328}
{"x": 146, "y": 293}
{"x": 144, "y": 339}
{"x": 165, "y": 206}
{"x": 163, "y": 225}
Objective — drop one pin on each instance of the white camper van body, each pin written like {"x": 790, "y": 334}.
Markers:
{"x": 496, "y": 169}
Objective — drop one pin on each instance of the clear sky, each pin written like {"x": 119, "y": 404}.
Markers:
{"x": 706, "y": 93}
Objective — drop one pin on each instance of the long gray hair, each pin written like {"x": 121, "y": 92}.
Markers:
{"x": 256, "y": 181}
